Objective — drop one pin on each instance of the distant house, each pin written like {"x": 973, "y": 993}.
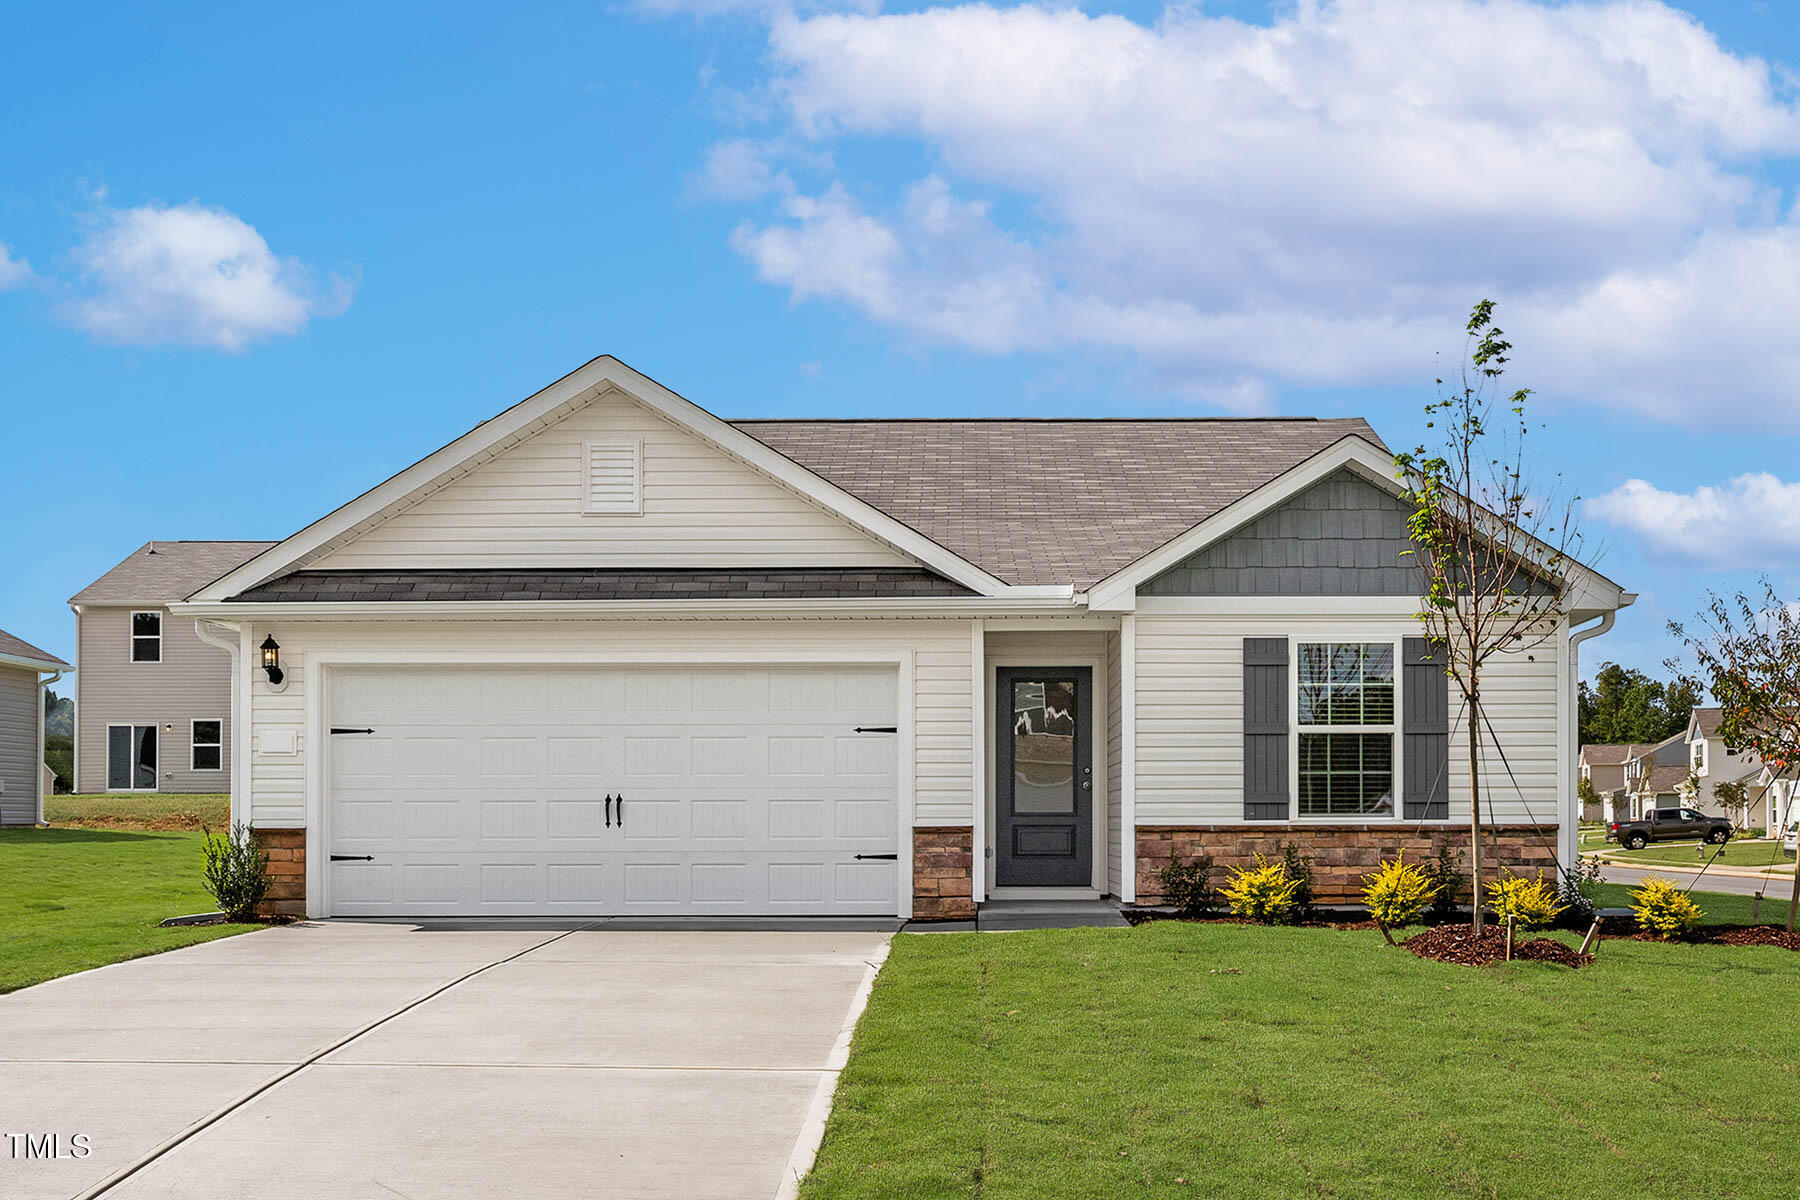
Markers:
{"x": 1713, "y": 762}
{"x": 152, "y": 700}
{"x": 1654, "y": 776}
{"x": 1772, "y": 800}
{"x": 23, "y": 671}
{"x": 1603, "y": 766}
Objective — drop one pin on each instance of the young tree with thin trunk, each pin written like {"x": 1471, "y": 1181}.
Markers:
{"x": 1748, "y": 650}
{"x": 1494, "y": 547}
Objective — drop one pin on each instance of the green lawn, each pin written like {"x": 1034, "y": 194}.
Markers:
{"x": 1216, "y": 1060}
{"x": 139, "y": 810}
{"x": 71, "y": 899}
{"x": 1693, "y": 854}
{"x": 1721, "y": 908}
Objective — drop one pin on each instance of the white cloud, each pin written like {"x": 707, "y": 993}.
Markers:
{"x": 191, "y": 275}
{"x": 1752, "y": 521}
{"x": 14, "y": 272}
{"x": 1318, "y": 200}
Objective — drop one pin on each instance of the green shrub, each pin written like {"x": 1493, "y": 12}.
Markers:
{"x": 1397, "y": 893}
{"x": 1577, "y": 889}
{"x": 1299, "y": 869}
{"x": 1664, "y": 909}
{"x": 237, "y": 872}
{"x": 1188, "y": 885}
{"x": 1529, "y": 902}
{"x": 1444, "y": 873}
{"x": 1263, "y": 893}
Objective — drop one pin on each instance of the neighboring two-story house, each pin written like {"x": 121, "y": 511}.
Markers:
{"x": 1603, "y": 766}
{"x": 1713, "y": 763}
{"x": 152, "y": 700}
{"x": 1654, "y": 776}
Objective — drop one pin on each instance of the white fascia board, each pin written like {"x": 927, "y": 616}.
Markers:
{"x": 1589, "y": 593}
{"x": 542, "y": 407}
{"x": 45, "y": 666}
{"x": 576, "y": 610}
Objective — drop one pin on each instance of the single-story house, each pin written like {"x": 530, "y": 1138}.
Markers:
{"x": 25, "y": 671}
{"x": 609, "y": 653}
{"x": 152, "y": 698}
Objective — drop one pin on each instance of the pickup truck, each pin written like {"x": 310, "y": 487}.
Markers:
{"x": 1669, "y": 824}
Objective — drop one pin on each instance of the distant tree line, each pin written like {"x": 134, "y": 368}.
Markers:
{"x": 1625, "y": 705}
{"x": 59, "y": 739}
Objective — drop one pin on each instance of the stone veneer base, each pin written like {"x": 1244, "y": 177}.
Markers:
{"x": 286, "y": 849}
{"x": 1341, "y": 854}
{"x": 943, "y": 873}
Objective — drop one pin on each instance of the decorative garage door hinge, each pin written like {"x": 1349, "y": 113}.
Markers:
{"x": 889, "y": 857}
{"x": 353, "y": 858}
{"x": 877, "y": 729}
{"x": 345, "y": 729}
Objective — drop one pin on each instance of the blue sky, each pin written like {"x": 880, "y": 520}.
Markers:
{"x": 425, "y": 213}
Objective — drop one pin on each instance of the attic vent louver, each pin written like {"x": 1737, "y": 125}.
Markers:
{"x": 613, "y": 476}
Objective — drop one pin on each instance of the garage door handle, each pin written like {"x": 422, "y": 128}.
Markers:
{"x": 621, "y": 800}
{"x": 353, "y": 858}
{"x": 609, "y": 810}
{"x": 888, "y": 857}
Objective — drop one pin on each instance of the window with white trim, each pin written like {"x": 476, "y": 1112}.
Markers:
{"x": 612, "y": 479}
{"x": 206, "y": 746}
{"x": 1345, "y": 729}
{"x": 146, "y": 637}
{"x": 1700, "y": 757}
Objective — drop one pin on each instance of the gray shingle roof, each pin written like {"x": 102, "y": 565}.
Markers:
{"x": 1709, "y": 720}
{"x": 1608, "y": 755}
{"x": 1052, "y": 501}
{"x": 576, "y": 583}
{"x": 163, "y": 572}
{"x": 20, "y": 648}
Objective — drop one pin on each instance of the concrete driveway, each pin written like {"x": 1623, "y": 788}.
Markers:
{"x": 354, "y": 1060}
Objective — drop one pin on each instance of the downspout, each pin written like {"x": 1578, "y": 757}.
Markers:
{"x": 1568, "y": 833}
{"x": 233, "y": 647}
{"x": 43, "y": 689}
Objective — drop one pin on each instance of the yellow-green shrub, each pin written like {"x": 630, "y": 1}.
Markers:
{"x": 1529, "y": 902}
{"x": 1263, "y": 893}
{"x": 1397, "y": 893}
{"x": 1664, "y": 909}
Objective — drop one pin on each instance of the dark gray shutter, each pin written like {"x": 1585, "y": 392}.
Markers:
{"x": 1266, "y": 730}
{"x": 1425, "y": 732}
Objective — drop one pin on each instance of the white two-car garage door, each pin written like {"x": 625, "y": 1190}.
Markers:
{"x": 602, "y": 790}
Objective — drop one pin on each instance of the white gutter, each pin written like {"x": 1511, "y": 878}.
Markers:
{"x": 438, "y": 610}
{"x": 232, "y": 646}
{"x": 44, "y": 687}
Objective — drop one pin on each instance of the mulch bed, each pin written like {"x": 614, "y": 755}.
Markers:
{"x": 1458, "y": 944}
{"x": 1730, "y": 935}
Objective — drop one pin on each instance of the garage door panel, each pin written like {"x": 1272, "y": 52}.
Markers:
{"x": 484, "y": 791}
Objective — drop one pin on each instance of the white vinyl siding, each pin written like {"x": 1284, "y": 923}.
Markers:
{"x": 1190, "y": 729}
{"x": 528, "y": 508}
{"x": 942, "y": 737}
{"x": 1115, "y": 858}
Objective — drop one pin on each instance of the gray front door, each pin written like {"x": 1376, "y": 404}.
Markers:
{"x": 1044, "y": 776}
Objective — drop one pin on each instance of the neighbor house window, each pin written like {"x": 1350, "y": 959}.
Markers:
{"x": 1345, "y": 735}
{"x": 131, "y": 758}
{"x": 146, "y": 637}
{"x": 1699, "y": 758}
{"x": 206, "y": 750}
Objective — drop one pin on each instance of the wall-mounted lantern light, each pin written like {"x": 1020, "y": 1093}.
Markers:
{"x": 271, "y": 653}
